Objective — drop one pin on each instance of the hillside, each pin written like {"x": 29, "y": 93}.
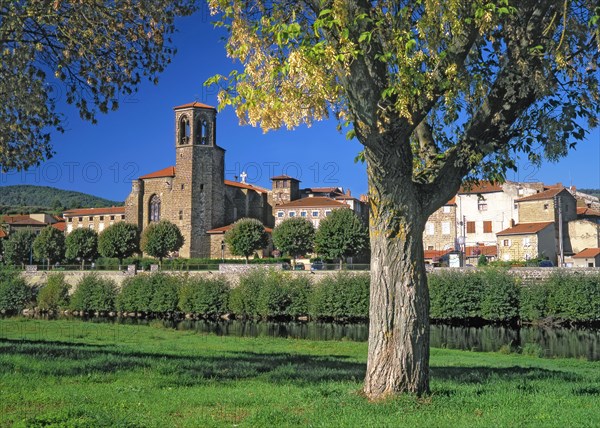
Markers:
{"x": 28, "y": 198}
{"x": 592, "y": 192}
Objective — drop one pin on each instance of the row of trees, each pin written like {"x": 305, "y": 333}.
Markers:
{"x": 119, "y": 241}
{"x": 342, "y": 234}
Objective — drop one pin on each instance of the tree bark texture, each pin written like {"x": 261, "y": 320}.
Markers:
{"x": 398, "y": 358}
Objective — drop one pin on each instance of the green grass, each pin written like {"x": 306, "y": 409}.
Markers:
{"x": 73, "y": 373}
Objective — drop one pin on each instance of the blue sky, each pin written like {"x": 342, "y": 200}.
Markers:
{"x": 102, "y": 159}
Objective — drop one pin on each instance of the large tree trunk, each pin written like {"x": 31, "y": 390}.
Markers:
{"x": 398, "y": 359}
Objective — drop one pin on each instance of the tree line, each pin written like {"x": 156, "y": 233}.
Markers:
{"x": 341, "y": 234}
{"x": 120, "y": 240}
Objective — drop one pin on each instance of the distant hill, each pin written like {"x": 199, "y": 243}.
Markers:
{"x": 28, "y": 199}
{"x": 592, "y": 192}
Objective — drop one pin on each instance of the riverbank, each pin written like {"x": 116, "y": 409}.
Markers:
{"x": 86, "y": 374}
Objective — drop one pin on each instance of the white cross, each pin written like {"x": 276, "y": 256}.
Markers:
{"x": 243, "y": 176}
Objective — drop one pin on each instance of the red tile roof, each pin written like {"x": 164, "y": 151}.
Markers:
{"x": 314, "y": 202}
{"x": 451, "y": 201}
{"x": 194, "y": 104}
{"x": 587, "y": 212}
{"x": 3, "y": 234}
{"x": 224, "y": 229}
{"x": 166, "y": 172}
{"x": 245, "y": 186}
{"x": 284, "y": 177}
{"x": 21, "y": 220}
{"x": 588, "y": 253}
{"x": 323, "y": 190}
{"x": 525, "y": 228}
{"x": 61, "y": 225}
{"x": 94, "y": 211}
{"x": 481, "y": 187}
{"x": 546, "y": 194}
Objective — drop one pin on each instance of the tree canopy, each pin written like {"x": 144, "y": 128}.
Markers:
{"x": 82, "y": 244}
{"x": 18, "y": 248}
{"x": 341, "y": 234}
{"x": 294, "y": 236}
{"x": 436, "y": 92}
{"x": 160, "y": 239}
{"x": 49, "y": 245}
{"x": 246, "y": 236}
{"x": 86, "y": 53}
{"x": 119, "y": 240}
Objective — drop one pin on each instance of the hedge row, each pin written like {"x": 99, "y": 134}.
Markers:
{"x": 104, "y": 263}
{"x": 488, "y": 294}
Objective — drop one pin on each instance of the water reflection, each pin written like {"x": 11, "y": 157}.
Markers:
{"x": 551, "y": 342}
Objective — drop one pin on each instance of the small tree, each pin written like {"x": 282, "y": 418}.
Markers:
{"x": 18, "y": 248}
{"x": 159, "y": 239}
{"x": 341, "y": 234}
{"x": 82, "y": 244}
{"x": 294, "y": 236}
{"x": 482, "y": 260}
{"x": 49, "y": 245}
{"x": 246, "y": 236}
{"x": 119, "y": 240}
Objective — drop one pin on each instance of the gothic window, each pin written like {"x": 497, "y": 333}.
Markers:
{"x": 155, "y": 208}
{"x": 202, "y": 135}
{"x": 184, "y": 130}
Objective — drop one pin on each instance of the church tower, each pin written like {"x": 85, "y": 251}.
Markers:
{"x": 199, "y": 177}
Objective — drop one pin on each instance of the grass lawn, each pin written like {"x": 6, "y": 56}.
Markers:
{"x": 74, "y": 373}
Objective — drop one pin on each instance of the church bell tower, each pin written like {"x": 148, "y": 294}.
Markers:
{"x": 199, "y": 177}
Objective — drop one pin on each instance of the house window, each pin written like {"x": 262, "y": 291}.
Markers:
{"x": 101, "y": 218}
{"x": 446, "y": 210}
{"x": 112, "y": 217}
{"x": 154, "y": 208}
{"x": 487, "y": 227}
{"x": 182, "y": 186}
{"x": 506, "y": 243}
{"x": 315, "y": 213}
{"x": 279, "y": 214}
{"x": 430, "y": 228}
{"x": 526, "y": 242}
{"x": 180, "y": 214}
{"x": 91, "y": 218}
{"x": 470, "y": 227}
{"x": 286, "y": 184}
{"x": 430, "y": 247}
{"x": 482, "y": 206}
{"x": 80, "y": 219}
{"x": 516, "y": 206}
{"x": 292, "y": 214}
{"x": 101, "y": 227}
{"x": 546, "y": 206}
{"x": 327, "y": 213}
{"x": 519, "y": 191}
{"x": 590, "y": 264}
{"x": 202, "y": 137}
{"x": 69, "y": 219}
{"x": 445, "y": 228}
{"x": 122, "y": 216}
{"x": 302, "y": 213}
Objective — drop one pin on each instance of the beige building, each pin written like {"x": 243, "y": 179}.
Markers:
{"x": 96, "y": 219}
{"x": 527, "y": 241}
{"x": 313, "y": 209}
{"x": 441, "y": 233}
{"x": 590, "y": 257}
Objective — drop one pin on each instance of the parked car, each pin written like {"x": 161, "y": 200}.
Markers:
{"x": 317, "y": 265}
{"x": 299, "y": 266}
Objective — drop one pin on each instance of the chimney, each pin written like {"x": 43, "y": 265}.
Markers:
{"x": 348, "y": 193}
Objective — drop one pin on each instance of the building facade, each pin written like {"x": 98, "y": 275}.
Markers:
{"x": 96, "y": 219}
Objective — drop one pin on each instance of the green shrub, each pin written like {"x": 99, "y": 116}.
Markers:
{"x": 533, "y": 302}
{"x": 55, "y": 294}
{"x": 14, "y": 292}
{"x": 500, "y": 300}
{"x": 574, "y": 296}
{"x": 455, "y": 294}
{"x": 153, "y": 293}
{"x": 244, "y": 297}
{"x": 94, "y": 293}
{"x": 299, "y": 289}
{"x": 342, "y": 295}
{"x": 204, "y": 296}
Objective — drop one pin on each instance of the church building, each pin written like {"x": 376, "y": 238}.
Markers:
{"x": 193, "y": 194}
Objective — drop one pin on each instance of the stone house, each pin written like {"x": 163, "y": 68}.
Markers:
{"x": 313, "y": 209}
{"x": 35, "y": 222}
{"x": 590, "y": 257}
{"x": 528, "y": 241}
{"x": 96, "y": 219}
{"x": 441, "y": 232}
